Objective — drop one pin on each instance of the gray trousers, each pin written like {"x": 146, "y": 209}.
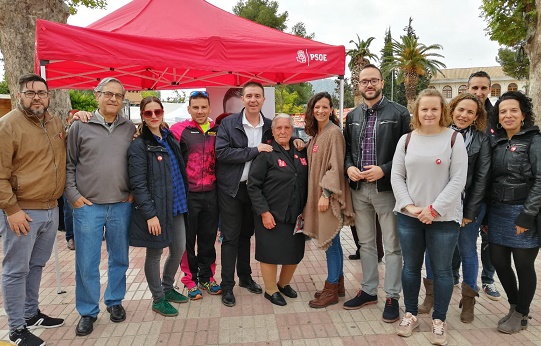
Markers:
{"x": 24, "y": 259}
{"x": 367, "y": 202}
{"x": 157, "y": 286}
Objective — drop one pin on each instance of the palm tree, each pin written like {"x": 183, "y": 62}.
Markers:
{"x": 413, "y": 59}
{"x": 360, "y": 57}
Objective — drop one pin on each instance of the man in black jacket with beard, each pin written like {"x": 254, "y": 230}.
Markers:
{"x": 372, "y": 131}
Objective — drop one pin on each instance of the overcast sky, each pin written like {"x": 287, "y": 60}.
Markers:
{"x": 456, "y": 25}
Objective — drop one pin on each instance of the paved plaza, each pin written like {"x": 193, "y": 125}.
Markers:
{"x": 254, "y": 320}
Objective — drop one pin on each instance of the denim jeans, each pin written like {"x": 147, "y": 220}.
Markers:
{"x": 440, "y": 239}
{"x": 88, "y": 223}
{"x": 335, "y": 260}
{"x": 23, "y": 262}
{"x": 487, "y": 274}
{"x": 467, "y": 248}
{"x": 68, "y": 218}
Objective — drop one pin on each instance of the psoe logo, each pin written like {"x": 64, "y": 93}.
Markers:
{"x": 304, "y": 57}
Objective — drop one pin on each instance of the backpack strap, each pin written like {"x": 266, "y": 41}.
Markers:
{"x": 453, "y": 138}
{"x": 408, "y": 137}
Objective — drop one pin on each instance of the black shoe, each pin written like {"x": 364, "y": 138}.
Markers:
{"x": 40, "y": 320}
{"x": 355, "y": 256}
{"x": 391, "y": 312}
{"x": 24, "y": 337}
{"x": 360, "y": 300}
{"x": 228, "y": 298}
{"x": 288, "y": 291}
{"x": 251, "y": 286}
{"x": 85, "y": 325}
{"x": 276, "y": 298}
{"x": 118, "y": 314}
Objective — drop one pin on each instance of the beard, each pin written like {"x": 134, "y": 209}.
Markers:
{"x": 376, "y": 95}
{"x": 37, "y": 112}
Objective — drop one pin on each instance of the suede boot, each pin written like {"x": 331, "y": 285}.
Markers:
{"x": 467, "y": 303}
{"x": 514, "y": 324}
{"x": 506, "y": 317}
{"x": 341, "y": 288}
{"x": 428, "y": 303}
{"x": 328, "y": 296}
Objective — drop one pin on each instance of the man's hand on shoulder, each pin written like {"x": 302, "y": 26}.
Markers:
{"x": 83, "y": 116}
{"x": 264, "y": 147}
{"x": 18, "y": 223}
{"x": 299, "y": 144}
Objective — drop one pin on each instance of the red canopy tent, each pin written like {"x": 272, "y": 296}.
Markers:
{"x": 175, "y": 44}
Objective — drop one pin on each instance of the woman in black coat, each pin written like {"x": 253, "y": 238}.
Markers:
{"x": 278, "y": 188}
{"x": 159, "y": 184}
{"x": 515, "y": 200}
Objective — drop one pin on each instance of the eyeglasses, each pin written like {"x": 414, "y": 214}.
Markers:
{"x": 199, "y": 93}
{"x": 31, "y": 94}
{"x": 365, "y": 82}
{"x": 108, "y": 95}
{"x": 148, "y": 114}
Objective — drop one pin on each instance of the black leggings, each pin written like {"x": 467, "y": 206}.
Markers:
{"x": 521, "y": 295}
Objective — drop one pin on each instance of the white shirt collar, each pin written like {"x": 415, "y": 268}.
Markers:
{"x": 245, "y": 121}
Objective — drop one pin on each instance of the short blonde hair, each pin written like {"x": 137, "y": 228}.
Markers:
{"x": 445, "y": 119}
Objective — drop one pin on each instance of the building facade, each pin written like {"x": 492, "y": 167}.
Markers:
{"x": 455, "y": 80}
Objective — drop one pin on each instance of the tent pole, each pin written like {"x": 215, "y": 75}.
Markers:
{"x": 341, "y": 78}
{"x": 56, "y": 264}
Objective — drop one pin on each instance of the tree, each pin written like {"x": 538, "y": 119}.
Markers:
{"x": 83, "y": 100}
{"x": 146, "y": 93}
{"x": 514, "y": 63}
{"x": 349, "y": 101}
{"x": 517, "y": 23}
{"x": 300, "y": 30}
{"x": 17, "y": 39}
{"x": 360, "y": 57}
{"x": 178, "y": 97}
{"x": 263, "y": 12}
{"x": 412, "y": 60}
{"x": 4, "y": 87}
{"x": 390, "y": 87}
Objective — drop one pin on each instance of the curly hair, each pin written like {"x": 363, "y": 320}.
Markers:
{"x": 445, "y": 118}
{"x": 525, "y": 104}
{"x": 481, "y": 122}
{"x": 310, "y": 126}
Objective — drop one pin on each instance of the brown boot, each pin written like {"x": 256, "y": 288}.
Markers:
{"x": 428, "y": 303}
{"x": 341, "y": 288}
{"x": 328, "y": 296}
{"x": 467, "y": 303}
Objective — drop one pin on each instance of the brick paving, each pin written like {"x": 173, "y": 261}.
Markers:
{"x": 254, "y": 320}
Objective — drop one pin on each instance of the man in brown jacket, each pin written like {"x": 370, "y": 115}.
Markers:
{"x": 32, "y": 178}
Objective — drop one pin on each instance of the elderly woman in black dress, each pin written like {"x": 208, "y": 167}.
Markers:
{"x": 515, "y": 200}
{"x": 277, "y": 186}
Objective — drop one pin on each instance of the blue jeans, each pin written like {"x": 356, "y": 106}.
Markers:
{"x": 88, "y": 224}
{"x": 467, "y": 247}
{"x": 335, "y": 260}
{"x": 23, "y": 262}
{"x": 68, "y": 218}
{"x": 440, "y": 239}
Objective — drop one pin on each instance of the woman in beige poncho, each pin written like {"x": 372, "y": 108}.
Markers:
{"x": 329, "y": 204}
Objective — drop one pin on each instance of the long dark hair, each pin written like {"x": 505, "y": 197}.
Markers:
{"x": 310, "y": 126}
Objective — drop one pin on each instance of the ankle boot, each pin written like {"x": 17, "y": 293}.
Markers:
{"x": 428, "y": 303}
{"x": 341, "y": 288}
{"x": 328, "y": 296}
{"x": 514, "y": 324}
{"x": 467, "y": 303}
{"x": 506, "y": 317}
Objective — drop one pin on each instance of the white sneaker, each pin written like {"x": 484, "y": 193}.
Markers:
{"x": 439, "y": 332}
{"x": 407, "y": 325}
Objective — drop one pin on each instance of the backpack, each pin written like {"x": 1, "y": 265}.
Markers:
{"x": 408, "y": 137}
